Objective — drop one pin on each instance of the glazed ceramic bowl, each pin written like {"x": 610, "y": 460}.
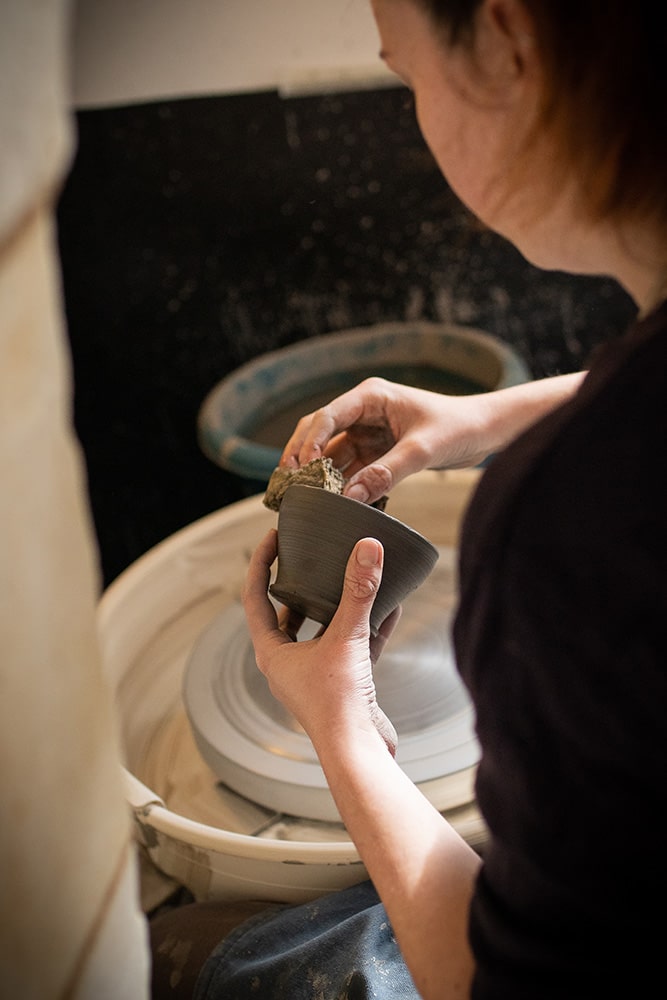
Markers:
{"x": 317, "y": 531}
{"x": 246, "y": 418}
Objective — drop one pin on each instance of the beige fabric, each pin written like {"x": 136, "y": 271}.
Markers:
{"x": 70, "y": 923}
{"x": 64, "y": 826}
{"x": 34, "y": 79}
{"x": 116, "y": 964}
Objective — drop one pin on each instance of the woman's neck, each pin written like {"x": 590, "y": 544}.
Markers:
{"x": 640, "y": 265}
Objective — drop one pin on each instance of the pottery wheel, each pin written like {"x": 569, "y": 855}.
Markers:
{"x": 258, "y": 749}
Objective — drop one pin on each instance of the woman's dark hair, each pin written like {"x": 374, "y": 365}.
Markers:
{"x": 605, "y": 93}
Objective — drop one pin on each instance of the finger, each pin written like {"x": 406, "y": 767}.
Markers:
{"x": 391, "y": 621}
{"x": 290, "y": 622}
{"x": 303, "y": 443}
{"x": 314, "y": 431}
{"x": 343, "y": 452}
{"x": 260, "y": 613}
{"x": 370, "y": 483}
{"x": 386, "y": 729}
{"x": 363, "y": 575}
{"x": 379, "y": 478}
{"x": 379, "y": 641}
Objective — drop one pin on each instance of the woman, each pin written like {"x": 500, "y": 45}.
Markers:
{"x": 545, "y": 117}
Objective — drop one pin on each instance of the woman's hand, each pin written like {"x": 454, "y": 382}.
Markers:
{"x": 325, "y": 682}
{"x": 380, "y": 432}
{"x": 422, "y": 869}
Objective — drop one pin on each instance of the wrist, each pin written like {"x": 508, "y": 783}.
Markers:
{"x": 352, "y": 737}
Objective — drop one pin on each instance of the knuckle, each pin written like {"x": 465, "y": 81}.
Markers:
{"x": 417, "y": 451}
{"x": 379, "y": 478}
{"x": 323, "y": 417}
{"x": 362, "y": 588}
{"x": 375, "y": 385}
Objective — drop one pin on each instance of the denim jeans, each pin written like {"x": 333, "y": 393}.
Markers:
{"x": 338, "y": 947}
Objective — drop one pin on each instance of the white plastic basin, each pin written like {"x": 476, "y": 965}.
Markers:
{"x": 213, "y": 841}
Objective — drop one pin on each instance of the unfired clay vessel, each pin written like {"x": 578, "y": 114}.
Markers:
{"x": 317, "y": 531}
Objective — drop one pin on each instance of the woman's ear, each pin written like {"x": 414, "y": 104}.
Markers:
{"x": 505, "y": 45}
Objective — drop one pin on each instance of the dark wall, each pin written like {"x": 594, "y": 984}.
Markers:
{"x": 197, "y": 234}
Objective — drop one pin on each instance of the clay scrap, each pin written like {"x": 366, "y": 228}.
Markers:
{"x": 319, "y": 472}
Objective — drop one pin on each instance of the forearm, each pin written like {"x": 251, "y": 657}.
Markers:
{"x": 422, "y": 869}
{"x": 506, "y": 413}
{"x": 462, "y": 431}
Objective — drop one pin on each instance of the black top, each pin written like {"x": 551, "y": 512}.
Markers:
{"x": 561, "y": 637}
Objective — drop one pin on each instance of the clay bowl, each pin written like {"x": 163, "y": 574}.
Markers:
{"x": 317, "y": 531}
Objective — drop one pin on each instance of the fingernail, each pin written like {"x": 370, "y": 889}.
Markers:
{"x": 357, "y": 492}
{"x": 368, "y": 552}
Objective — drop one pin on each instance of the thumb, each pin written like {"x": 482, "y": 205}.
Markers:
{"x": 363, "y": 576}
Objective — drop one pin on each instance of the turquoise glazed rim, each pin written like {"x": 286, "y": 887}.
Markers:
{"x": 441, "y": 356}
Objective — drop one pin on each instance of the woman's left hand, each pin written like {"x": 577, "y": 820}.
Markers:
{"x": 325, "y": 682}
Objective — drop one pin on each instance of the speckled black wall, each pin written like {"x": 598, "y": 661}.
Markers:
{"x": 196, "y": 234}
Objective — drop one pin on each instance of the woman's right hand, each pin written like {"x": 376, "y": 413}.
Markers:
{"x": 380, "y": 432}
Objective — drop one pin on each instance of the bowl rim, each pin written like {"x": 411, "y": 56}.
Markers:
{"x": 219, "y": 437}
